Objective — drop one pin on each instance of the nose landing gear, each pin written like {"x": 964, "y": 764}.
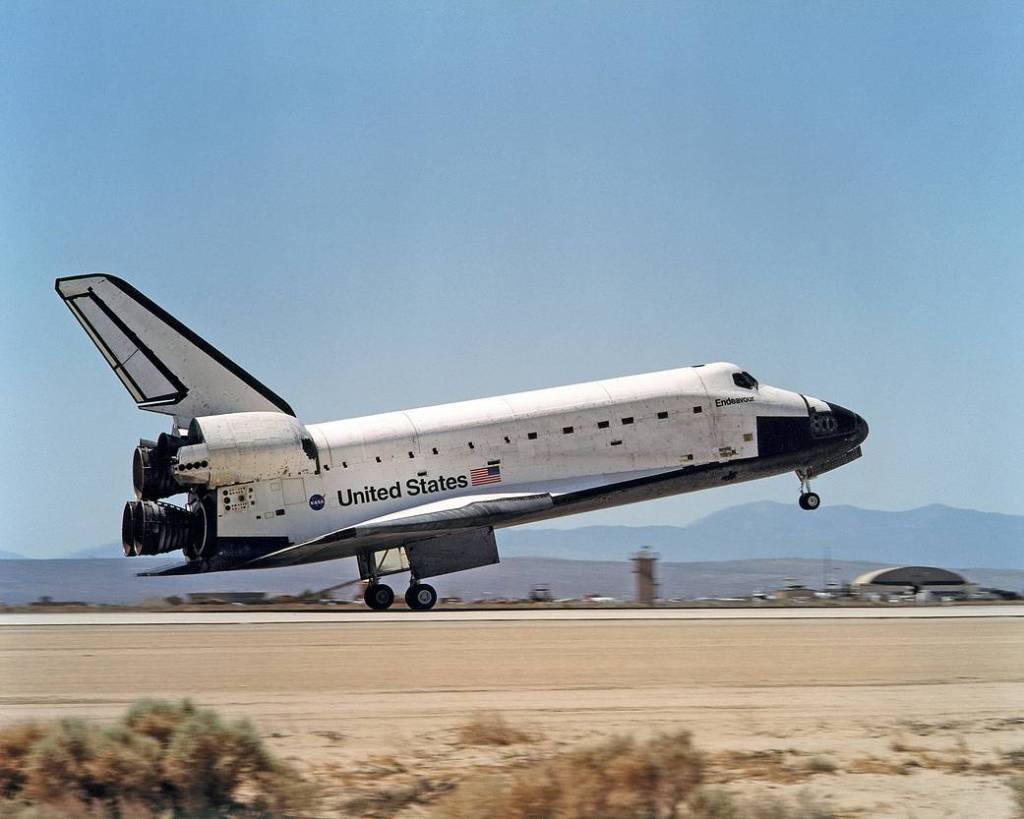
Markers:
{"x": 808, "y": 500}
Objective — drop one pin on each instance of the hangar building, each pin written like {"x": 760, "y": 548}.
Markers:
{"x": 910, "y": 580}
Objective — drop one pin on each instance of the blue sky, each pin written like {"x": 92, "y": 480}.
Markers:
{"x": 377, "y": 206}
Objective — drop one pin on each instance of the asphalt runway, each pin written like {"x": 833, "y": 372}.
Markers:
{"x": 360, "y": 615}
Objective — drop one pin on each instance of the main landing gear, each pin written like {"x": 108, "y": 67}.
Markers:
{"x": 419, "y": 597}
{"x": 379, "y": 596}
{"x": 808, "y": 500}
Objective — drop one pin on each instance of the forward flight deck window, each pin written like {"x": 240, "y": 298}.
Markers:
{"x": 745, "y": 380}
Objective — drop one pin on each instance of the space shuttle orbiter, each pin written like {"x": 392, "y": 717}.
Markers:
{"x": 422, "y": 490}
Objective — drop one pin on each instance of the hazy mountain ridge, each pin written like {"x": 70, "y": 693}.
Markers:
{"x": 114, "y": 581}
{"x": 936, "y": 534}
{"x": 735, "y": 551}
{"x": 930, "y": 535}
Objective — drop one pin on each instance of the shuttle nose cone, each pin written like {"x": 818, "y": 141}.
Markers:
{"x": 851, "y": 425}
{"x": 862, "y": 430}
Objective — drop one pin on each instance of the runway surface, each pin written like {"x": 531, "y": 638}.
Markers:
{"x": 374, "y": 701}
{"x": 360, "y": 615}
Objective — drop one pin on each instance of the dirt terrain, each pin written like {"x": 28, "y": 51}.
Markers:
{"x": 879, "y": 717}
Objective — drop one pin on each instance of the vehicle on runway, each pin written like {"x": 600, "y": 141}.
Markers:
{"x": 422, "y": 490}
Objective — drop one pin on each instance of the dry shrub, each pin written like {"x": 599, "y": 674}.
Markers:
{"x": 771, "y": 764}
{"x": 75, "y": 759}
{"x": 821, "y": 764}
{"x": 158, "y": 719}
{"x": 775, "y": 807}
{"x": 491, "y": 728}
{"x": 618, "y": 779}
{"x": 900, "y": 746}
{"x": 1016, "y": 784}
{"x": 160, "y": 759}
{"x": 15, "y": 744}
{"x": 713, "y": 803}
{"x": 873, "y": 765}
{"x": 1014, "y": 758}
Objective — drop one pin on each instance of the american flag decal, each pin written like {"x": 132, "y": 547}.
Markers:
{"x": 484, "y": 475}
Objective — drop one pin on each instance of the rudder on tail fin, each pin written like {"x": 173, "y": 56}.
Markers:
{"x": 165, "y": 367}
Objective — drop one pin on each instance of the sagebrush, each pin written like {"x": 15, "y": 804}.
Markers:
{"x": 160, "y": 759}
{"x": 491, "y": 728}
{"x": 620, "y": 778}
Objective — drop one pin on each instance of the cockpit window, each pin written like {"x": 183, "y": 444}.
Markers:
{"x": 745, "y": 380}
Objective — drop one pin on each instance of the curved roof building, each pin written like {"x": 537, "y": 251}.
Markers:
{"x": 915, "y": 577}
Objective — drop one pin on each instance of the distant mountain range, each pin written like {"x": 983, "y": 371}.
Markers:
{"x": 932, "y": 535}
{"x": 939, "y": 535}
{"x": 114, "y": 581}
{"x": 757, "y": 545}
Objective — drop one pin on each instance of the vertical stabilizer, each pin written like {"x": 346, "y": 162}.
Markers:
{"x": 164, "y": 366}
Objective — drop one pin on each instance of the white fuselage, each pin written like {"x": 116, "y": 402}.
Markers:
{"x": 560, "y": 440}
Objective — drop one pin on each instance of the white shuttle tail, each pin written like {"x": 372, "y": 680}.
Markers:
{"x": 164, "y": 366}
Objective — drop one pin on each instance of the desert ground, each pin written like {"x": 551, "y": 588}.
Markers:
{"x": 917, "y": 716}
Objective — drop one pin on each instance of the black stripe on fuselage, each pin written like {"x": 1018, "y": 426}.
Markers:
{"x": 783, "y": 435}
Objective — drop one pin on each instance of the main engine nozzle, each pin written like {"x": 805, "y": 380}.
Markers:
{"x": 153, "y": 528}
{"x": 152, "y": 474}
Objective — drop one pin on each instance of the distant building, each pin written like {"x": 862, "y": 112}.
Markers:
{"x": 794, "y": 592}
{"x": 905, "y": 580}
{"x": 541, "y": 593}
{"x": 46, "y": 600}
{"x": 227, "y": 597}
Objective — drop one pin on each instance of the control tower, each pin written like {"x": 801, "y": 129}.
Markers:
{"x": 646, "y": 583}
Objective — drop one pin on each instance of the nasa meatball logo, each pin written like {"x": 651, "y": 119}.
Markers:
{"x": 316, "y": 502}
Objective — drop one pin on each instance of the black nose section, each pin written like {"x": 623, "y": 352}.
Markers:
{"x": 862, "y": 430}
{"x": 849, "y": 424}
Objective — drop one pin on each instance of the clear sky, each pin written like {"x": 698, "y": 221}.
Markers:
{"x": 374, "y": 206}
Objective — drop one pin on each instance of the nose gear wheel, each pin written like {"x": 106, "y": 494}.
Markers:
{"x": 809, "y": 501}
